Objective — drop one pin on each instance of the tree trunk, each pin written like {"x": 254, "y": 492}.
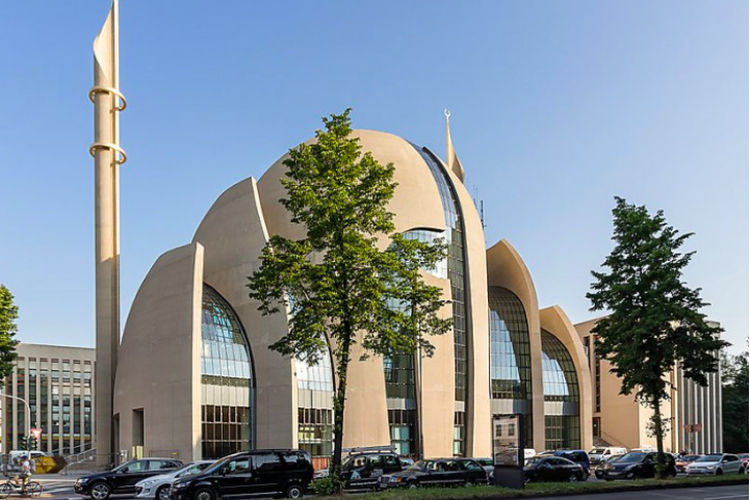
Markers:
{"x": 339, "y": 402}
{"x": 661, "y": 466}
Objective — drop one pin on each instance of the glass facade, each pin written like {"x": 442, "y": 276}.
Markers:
{"x": 315, "y": 406}
{"x": 454, "y": 238}
{"x": 59, "y": 391}
{"x": 227, "y": 379}
{"x": 562, "y": 424}
{"x": 510, "y": 358}
{"x": 401, "y": 398}
{"x": 430, "y": 236}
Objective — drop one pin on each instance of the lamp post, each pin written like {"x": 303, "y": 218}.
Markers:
{"x": 28, "y": 412}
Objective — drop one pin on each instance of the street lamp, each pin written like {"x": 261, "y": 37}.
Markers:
{"x": 28, "y": 411}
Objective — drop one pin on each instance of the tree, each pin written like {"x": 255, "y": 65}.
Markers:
{"x": 8, "y": 330}
{"x": 338, "y": 285}
{"x": 655, "y": 322}
{"x": 734, "y": 397}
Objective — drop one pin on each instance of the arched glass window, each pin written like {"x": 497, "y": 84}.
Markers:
{"x": 454, "y": 237}
{"x": 227, "y": 379}
{"x": 510, "y": 358}
{"x": 562, "y": 423}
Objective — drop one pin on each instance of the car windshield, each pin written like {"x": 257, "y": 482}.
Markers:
{"x": 743, "y": 456}
{"x": 484, "y": 461}
{"x": 422, "y": 465}
{"x": 709, "y": 458}
{"x": 597, "y": 451}
{"x": 690, "y": 458}
{"x": 213, "y": 467}
{"x": 633, "y": 456}
{"x": 191, "y": 469}
{"x": 533, "y": 460}
{"x": 123, "y": 466}
{"x": 615, "y": 458}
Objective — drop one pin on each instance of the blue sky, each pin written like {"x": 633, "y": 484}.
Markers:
{"x": 557, "y": 107}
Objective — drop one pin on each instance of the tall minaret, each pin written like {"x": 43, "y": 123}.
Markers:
{"x": 451, "y": 158}
{"x": 108, "y": 156}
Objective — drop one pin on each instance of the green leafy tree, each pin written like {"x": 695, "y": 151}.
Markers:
{"x": 655, "y": 321}
{"x": 340, "y": 286}
{"x": 734, "y": 397}
{"x": 8, "y": 330}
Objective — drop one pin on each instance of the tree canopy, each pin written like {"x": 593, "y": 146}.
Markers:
{"x": 655, "y": 322}
{"x": 339, "y": 286}
{"x": 8, "y": 330}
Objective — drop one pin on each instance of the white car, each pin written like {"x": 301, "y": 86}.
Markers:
{"x": 157, "y": 487}
{"x": 715, "y": 464}
{"x": 603, "y": 453}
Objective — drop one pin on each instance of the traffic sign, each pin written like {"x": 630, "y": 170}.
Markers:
{"x": 36, "y": 432}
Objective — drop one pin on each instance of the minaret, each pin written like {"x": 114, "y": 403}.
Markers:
{"x": 108, "y": 156}
{"x": 451, "y": 158}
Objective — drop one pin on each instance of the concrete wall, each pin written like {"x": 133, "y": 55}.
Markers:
{"x": 233, "y": 233}
{"x": 159, "y": 358}
{"x": 506, "y": 269}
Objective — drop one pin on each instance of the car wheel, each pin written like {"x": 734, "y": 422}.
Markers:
{"x": 162, "y": 493}
{"x": 573, "y": 478}
{"x": 204, "y": 494}
{"x": 719, "y": 472}
{"x": 413, "y": 485}
{"x": 100, "y": 491}
{"x": 295, "y": 491}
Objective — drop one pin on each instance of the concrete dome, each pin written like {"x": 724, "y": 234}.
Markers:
{"x": 416, "y": 201}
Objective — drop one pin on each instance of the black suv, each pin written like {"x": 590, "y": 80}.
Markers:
{"x": 122, "y": 479}
{"x": 363, "y": 470}
{"x": 249, "y": 473}
{"x": 637, "y": 465}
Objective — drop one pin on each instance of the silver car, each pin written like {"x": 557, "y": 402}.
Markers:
{"x": 157, "y": 487}
{"x": 715, "y": 464}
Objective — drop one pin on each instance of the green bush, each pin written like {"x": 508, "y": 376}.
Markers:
{"x": 328, "y": 485}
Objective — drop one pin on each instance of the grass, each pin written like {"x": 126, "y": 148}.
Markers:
{"x": 544, "y": 489}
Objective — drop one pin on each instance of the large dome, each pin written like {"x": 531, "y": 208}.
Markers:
{"x": 416, "y": 202}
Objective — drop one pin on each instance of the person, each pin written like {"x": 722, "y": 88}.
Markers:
{"x": 25, "y": 473}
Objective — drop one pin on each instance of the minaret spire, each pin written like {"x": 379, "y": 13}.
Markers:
{"x": 108, "y": 156}
{"x": 454, "y": 165}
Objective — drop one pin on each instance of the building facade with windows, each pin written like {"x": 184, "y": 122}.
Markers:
{"x": 195, "y": 377}
{"x": 693, "y": 412}
{"x": 58, "y": 384}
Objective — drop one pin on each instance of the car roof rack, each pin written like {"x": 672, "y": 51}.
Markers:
{"x": 370, "y": 449}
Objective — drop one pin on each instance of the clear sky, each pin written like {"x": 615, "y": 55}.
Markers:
{"x": 557, "y": 106}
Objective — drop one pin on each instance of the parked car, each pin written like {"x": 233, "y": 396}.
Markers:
{"x": 636, "y": 465}
{"x": 578, "y": 456}
{"x": 286, "y": 472}
{"x": 682, "y": 462}
{"x": 603, "y": 453}
{"x": 158, "y": 486}
{"x": 122, "y": 479}
{"x": 487, "y": 464}
{"x": 743, "y": 459}
{"x": 438, "y": 472}
{"x": 363, "y": 470}
{"x": 599, "y": 469}
{"x": 552, "y": 468}
{"x": 716, "y": 464}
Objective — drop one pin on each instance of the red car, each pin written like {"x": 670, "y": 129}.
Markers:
{"x": 743, "y": 457}
{"x": 681, "y": 463}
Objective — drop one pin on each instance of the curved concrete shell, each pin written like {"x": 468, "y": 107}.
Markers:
{"x": 506, "y": 269}
{"x": 156, "y": 401}
{"x": 233, "y": 232}
{"x": 554, "y": 320}
{"x": 158, "y": 404}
